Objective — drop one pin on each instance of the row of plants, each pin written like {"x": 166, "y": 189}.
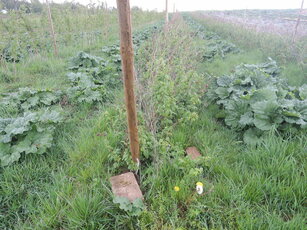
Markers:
{"x": 162, "y": 79}
{"x": 215, "y": 45}
{"x": 15, "y": 50}
{"x": 255, "y": 100}
{"x": 29, "y": 117}
{"x": 113, "y": 51}
{"x": 22, "y": 112}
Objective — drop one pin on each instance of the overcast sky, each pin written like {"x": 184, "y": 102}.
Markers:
{"x": 191, "y": 5}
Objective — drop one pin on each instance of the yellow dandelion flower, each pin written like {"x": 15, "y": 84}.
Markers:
{"x": 176, "y": 188}
{"x": 199, "y": 184}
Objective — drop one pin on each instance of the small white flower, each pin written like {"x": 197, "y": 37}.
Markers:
{"x": 199, "y": 188}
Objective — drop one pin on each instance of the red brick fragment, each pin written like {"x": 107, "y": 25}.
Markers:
{"x": 125, "y": 185}
{"x": 193, "y": 152}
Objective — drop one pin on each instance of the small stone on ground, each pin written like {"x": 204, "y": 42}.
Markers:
{"x": 193, "y": 152}
{"x": 125, "y": 185}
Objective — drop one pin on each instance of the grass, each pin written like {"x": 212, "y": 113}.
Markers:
{"x": 37, "y": 71}
{"x": 247, "y": 187}
{"x": 220, "y": 66}
{"x": 78, "y": 190}
{"x": 295, "y": 76}
{"x": 253, "y": 188}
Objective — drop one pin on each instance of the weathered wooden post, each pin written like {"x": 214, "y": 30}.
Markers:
{"x": 298, "y": 22}
{"x": 125, "y": 185}
{"x": 52, "y": 29}
{"x": 166, "y": 11}
{"x": 126, "y": 49}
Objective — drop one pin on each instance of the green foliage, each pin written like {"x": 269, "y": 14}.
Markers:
{"x": 218, "y": 47}
{"x": 171, "y": 105}
{"x": 134, "y": 208}
{"x": 9, "y": 55}
{"x": 303, "y": 92}
{"x": 256, "y": 100}
{"x": 146, "y": 33}
{"x": 113, "y": 51}
{"x": 30, "y": 133}
{"x": 169, "y": 93}
{"x": 21, "y": 45}
{"x": 5, "y": 77}
{"x": 26, "y": 99}
{"x": 26, "y": 34}
{"x": 33, "y": 131}
{"x": 84, "y": 60}
{"x": 84, "y": 89}
{"x": 106, "y": 74}
{"x": 91, "y": 82}
{"x": 215, "y": 45}
{"x": 95, "y": 77}
{"x": 36, "y": 192}
{"x": 102, "y": 72}
{"x": 254, "y": 188}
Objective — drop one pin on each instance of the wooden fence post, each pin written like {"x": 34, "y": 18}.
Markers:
{"x": 166, "y": 11}
{"x": 52, "y": 29}
{"x": 298, "y": 22}
{"x": 126, "y": 49}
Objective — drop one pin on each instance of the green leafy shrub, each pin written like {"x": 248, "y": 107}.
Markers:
{"x": 220, "y": 48}
{"x": 113, "y": 53}
{"x": 92, "y": 79}
{"x": 143, "y": 35}
{"x": 8, "y": 54}
{"x": 84, "y": 89}
{"x": 169, "y": 90}
{"x": 31, "y": 133}
{"x": 215, "y": 45}
{"x": 256, "y": 100}
{"x": 106, "y": 74}
{"x": 134, "y": 208}
{"x": 84, "y": 60}
{"x": 26, "y": 99}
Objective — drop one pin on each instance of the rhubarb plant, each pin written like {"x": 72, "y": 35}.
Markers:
{"x": 31, "y": 133}
{"x": 255, "y": 100}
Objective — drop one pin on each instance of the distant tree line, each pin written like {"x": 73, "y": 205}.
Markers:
{"x": 35, "y": 6}
{"x": 32, "y": 6}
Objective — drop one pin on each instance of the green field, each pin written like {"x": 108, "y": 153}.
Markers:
{"x": 202, "y": 83}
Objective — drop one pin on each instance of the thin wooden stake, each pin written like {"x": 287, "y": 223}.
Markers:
{"x": 298, "y": 22}
{"x": 166, "y": 11}
{"x": 126, "y": 49}
{"x": 52, "y": 29}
